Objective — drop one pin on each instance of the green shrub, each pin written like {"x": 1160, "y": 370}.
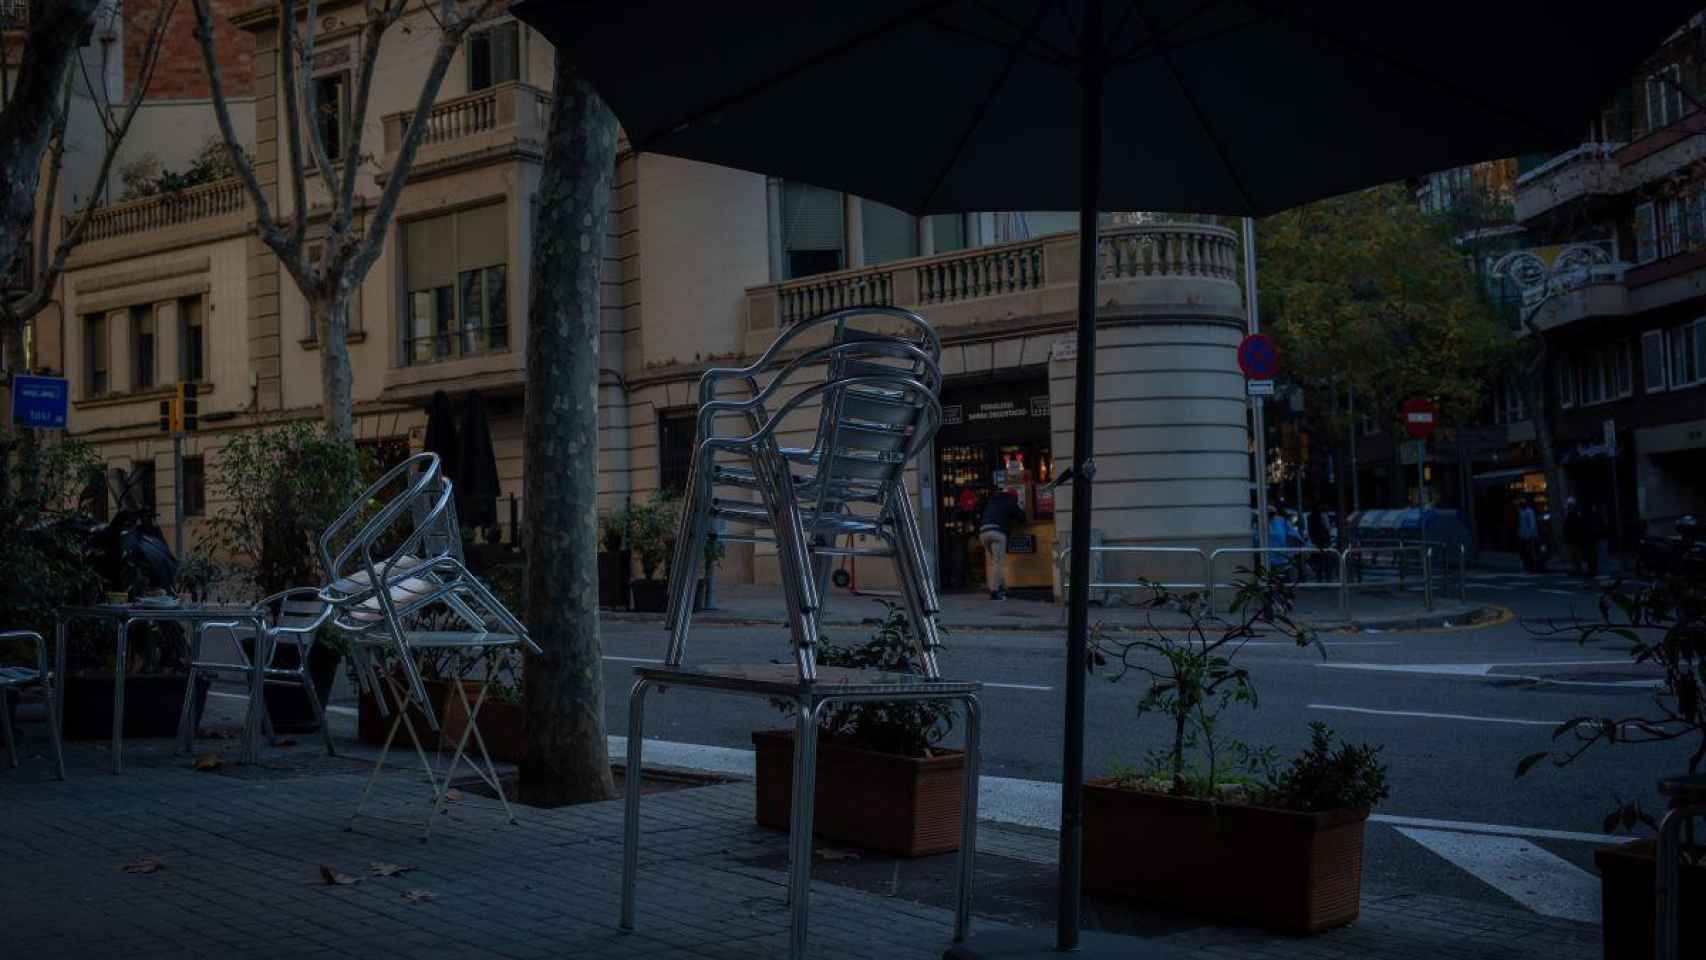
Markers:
{"x": 1348, "y": 776}
{"x": 42, "y": 565}
{"x": 908, "y": 728}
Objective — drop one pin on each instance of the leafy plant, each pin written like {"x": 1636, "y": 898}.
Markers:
{"x": 1348, "y": 776}
{"x": 1663, "y": 624}
{"x": 1193, "y": 680}
{"x": 613, "y": 529}
{"x": 281, "y": 486}
{"x": 651, "y": 531}
{"x": 911, "y": 729}
{"x": 42, "y": 533}
{"x": 146, "y": 176}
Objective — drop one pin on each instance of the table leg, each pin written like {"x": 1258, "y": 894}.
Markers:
{"x": 118, "y": 694}
{"x": 968, "y": 824}
{"x": 59, "y": 672}
{"x": 800, "y": 839}
{"x": 631, "y": 799}
{"x": 257, "y": 691}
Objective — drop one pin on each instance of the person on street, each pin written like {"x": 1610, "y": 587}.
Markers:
{"x": 1000, "y": 515}
{"x": 1283, "y": 535}
{"x": 1321, "y": 538}
{"x": 1528, "y": 537}
{"x": 1581, "y": 535}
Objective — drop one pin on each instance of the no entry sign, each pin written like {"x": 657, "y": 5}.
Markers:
{"x": 1419, "y": 418}
{"x": 1258, "y": 357}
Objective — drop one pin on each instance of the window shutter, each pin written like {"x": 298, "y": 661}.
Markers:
{"x": 431, "y": 253}
{"x": 482, "y": 237}
{"x": 811, "y": 218}
{"x": 506, "y": 52}
{"x": 889, "y": 233}
{"x": 1646, "y": 242}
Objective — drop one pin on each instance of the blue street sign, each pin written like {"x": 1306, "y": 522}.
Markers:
{"x": 1258, "y": 357}
{"x": 40, "y": 402}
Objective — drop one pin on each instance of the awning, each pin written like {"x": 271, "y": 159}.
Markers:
{"x": 1498, "y": 476}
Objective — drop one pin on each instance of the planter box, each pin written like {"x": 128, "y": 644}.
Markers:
{"x": 1288, "y": 871}
{"x": 650, "y": 596}
{"x": 503, "y": 726}
{"x": 152, "y": 704}
{"x": 1626, "y": 882}
{"x": 905, "y": 806}
{"x": 613, "y": 567}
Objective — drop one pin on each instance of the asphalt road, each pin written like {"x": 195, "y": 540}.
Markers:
{"x": 1454, "y": 709}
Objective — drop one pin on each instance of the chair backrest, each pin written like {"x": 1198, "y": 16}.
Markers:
{"x": 299, "y": 611}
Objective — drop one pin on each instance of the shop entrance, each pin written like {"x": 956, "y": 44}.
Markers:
{"x": 995, "y": 436}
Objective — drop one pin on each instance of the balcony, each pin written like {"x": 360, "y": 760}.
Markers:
{"x": 1598, "y": 291}
{"x": 1026, "y": 280}
{"x": 507, "y": 120}
{"x": 157, "y": 217}
{"x": 1579, "y": 282}
{"x": 1583, "y": 174}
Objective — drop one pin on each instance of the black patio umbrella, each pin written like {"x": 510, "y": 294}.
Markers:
{"x": 441, "y": 435}
{"x": 1241, "y": 107}
{"x": 477, "y": 490}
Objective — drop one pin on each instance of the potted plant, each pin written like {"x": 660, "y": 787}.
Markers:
{"x": 1663, "y": 624}
{"x": 502, "y": 718}
{"x": 883, "y": 781}
{"x": 651, "y": 535}
{"x": 1210, "y": 824}
{"x": 614, "y": 560}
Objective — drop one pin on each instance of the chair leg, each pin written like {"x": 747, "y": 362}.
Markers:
{"x": 6, "y": 726}
{"x": 55, "y": 736}
{"x": 186, "y": 713}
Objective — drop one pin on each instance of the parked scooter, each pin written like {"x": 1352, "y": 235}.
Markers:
{"x": 1683, "y": 554}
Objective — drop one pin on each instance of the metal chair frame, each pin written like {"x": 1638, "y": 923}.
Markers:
{"x": 290, "y": 618}
{"x": 17, "y": 678}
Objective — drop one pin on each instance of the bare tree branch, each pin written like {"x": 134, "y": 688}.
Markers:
{"x": 302, "y": 50}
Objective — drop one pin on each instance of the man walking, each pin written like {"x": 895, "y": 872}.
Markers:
{"x": 1321, "y": 538}
{"x": 1000, "y": 514}
{"x": 1528, "y": 537}
{"x": 1581, "y": 536}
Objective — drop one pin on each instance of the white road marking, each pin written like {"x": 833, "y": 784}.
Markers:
{"x": 1424, "y": 715}
{"x": 1486, "y": 670}
{"x": 1017, "y": 686}
{"x": 1543, "y": 882}
{"x": 1501, "y": 830}
{"x": 632, "y": 659}
{"x": 1561, "y": 593}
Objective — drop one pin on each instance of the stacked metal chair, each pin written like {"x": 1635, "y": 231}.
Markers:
{"x": 873, "y": 374}
{"x": 15, "y": 678}
{"x": 400, "y": 588}
{"x": 870, "y": 375}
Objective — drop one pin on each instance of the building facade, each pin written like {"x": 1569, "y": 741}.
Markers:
{"x": 704, "y": 266}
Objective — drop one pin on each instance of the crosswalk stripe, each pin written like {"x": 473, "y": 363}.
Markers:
{"x": 1541, "y": 881}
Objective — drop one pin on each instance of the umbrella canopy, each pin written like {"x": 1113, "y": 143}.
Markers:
{"x": 441, "y": 435}
{"x": 1234, "y": 107}
{"x": 1240, "y": 107}
{"x": 477, "y": 486}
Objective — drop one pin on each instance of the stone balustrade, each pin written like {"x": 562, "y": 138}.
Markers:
{"x": 165, "y": 210}
{"x": 1025, "y": 278}
{"x": 508, "y": 109}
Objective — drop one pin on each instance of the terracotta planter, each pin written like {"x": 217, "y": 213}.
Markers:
{"x": 371, "y": 727}
{"x": 503, "y": 726}
{"x": 1626, "y": 901}
{"x": 905, "y": 806}
{"x": 1287, "y": 871}
{"x": 152, "y": 705}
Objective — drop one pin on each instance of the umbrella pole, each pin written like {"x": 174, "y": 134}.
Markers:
{"x": 1083, "y": 471}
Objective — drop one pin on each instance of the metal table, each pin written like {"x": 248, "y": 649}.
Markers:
{"x": 195, "y": 616}
{"x": 782, "y": 682}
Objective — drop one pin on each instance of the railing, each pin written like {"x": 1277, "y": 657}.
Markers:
{"x": 1588, "y": 151}
{"x": 1134, "y": 252}
{"x": 165, "y": 210}
{"x": 515, "y": 105}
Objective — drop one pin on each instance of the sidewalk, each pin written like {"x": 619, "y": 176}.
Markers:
{"x": 241, "y": 850}
{"x": 1372, "y": 607}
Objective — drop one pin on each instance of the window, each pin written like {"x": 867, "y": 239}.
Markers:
{"x": 494, "y": 56}
{"x": 195, "y": 487}
{"x": 331, "y": 94}
{"x": 1622, "y": 376}
{"x": 1653, "y": 360}
{"x": 1646, "y": 233}
{"x": 675, "y": 449}
{"x": 1592, "y": 386}
{"x": 948, "y": 232}
{"x": 1682, "y": 349}
{"x": 1510, "y": 401}
{"x": 1671, "y": 238}
{"x": 142, "y": 347}
{"x": 141, "y": 489}
{"x": 458, "y": 285}
{"x": 1664, "y": 97}
{"x": 95, "y": 353}
{"x": 1566, "y": 382}
{"x": 812, "y": 230}
{"x": 1694, "y": 214}
{"x": 890, "y": 234}
{"x": 191, "y": 347}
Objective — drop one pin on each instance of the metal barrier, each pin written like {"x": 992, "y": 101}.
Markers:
{"x": 1424, "y": 561}
{"x": 1134, "y": 585}
{"x": 1295, "y": 554}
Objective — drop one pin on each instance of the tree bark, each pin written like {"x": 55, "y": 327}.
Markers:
{"x": 331, "y": 327}
{"x": 27, "y": 120}
{"x": 567, "y": 759}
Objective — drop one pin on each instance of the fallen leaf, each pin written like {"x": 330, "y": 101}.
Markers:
{"x": 419, "y": 896}
{"x": 388, "y": 869}
{"x": 145, "y": 865}
{"x": 284, "y": 742}
{"x": 332, "y": 878}
{"x": 825, "y": 853}
{"x": 453, "y": 794}
{"x": 208, "y": 761}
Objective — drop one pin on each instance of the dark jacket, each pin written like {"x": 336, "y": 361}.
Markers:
{"x": 1579, "y": 527}
{"x": 1001, "y": 513}
{"x": 1319, "y": 534}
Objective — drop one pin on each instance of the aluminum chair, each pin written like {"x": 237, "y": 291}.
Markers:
{"x": 400, "y": 590}
{"x": 848, "y": 483}
{"x": 293, "y": 618}
{"x": 17, "y": 678}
